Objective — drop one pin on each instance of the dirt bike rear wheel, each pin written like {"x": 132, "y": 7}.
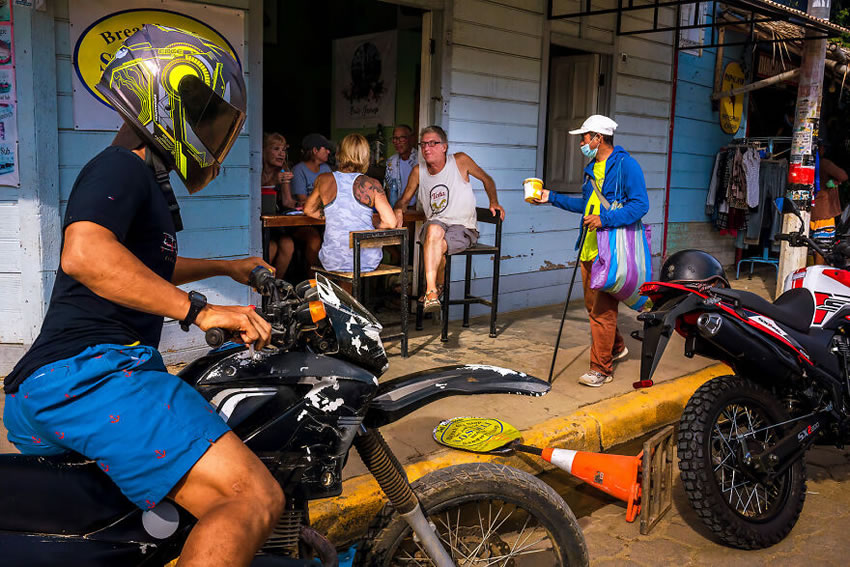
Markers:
{"x": 742, "y": 512}
{"x": 523, "y": 520}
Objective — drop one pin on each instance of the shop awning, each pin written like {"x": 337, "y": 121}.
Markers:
{"x": 746, "y": 13}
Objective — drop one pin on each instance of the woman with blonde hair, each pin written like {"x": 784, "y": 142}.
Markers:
{"x": 348, "y": 197}
{"x": 276, "y": 181}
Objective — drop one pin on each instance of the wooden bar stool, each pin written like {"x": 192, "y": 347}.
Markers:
{"x": 377, "y": 238}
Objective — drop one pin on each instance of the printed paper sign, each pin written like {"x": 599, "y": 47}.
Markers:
{"x": 8, "y": 101}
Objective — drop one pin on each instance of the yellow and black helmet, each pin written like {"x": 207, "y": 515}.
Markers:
{"x": 183, "y": 95}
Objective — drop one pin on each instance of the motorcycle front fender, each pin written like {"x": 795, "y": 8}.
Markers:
{"x": 405, "y": 394}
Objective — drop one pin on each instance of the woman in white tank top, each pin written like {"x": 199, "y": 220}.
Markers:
{"x": 348, "y": 197}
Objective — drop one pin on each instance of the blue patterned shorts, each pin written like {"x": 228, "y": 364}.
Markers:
{"x": 118, "y": 406}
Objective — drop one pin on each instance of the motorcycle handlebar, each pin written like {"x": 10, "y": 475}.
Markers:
{"x": 217, "y": 336}
{"x": 798, "y": 239}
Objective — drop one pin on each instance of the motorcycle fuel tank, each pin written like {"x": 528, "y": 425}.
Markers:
{"x": 830, "y": 288}
{"x": 298, "y": 411}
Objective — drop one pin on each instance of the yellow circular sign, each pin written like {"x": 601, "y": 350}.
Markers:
{"x": 732, "y": 107}
{"x": 476, "y": 434}
{"x": 99, "y": 42}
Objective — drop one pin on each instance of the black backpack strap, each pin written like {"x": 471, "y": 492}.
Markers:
{"x": 161, "y": 172}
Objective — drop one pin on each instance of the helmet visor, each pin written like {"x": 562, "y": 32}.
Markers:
{"x": 214, "y": 121}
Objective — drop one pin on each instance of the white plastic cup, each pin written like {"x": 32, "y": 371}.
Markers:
{"x": 533, "y": 189}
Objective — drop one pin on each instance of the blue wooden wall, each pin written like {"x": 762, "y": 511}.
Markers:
{"x": 220, "y": 221}
{"x": 697, "y": 136}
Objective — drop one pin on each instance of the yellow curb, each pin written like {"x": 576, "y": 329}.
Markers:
{"x": 595, "y": 427}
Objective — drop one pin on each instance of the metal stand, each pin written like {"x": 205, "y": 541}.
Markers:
{"x": 659, "y": 452}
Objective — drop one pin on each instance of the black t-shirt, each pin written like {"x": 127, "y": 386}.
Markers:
{"x": 118, "y": 191}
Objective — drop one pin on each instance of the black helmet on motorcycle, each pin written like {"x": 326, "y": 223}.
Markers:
{"x": 182, "y": 94}
{"x": 693, "y": 267}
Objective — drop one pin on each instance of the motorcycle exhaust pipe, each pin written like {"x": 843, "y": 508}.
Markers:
{"x": 751, "y": 354}
{"x": 708, "y": 324}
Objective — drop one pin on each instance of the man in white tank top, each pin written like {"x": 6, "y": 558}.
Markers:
{"x": 449, "y": 204}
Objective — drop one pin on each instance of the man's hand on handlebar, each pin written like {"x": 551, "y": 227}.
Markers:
{"x": 240, "y": 270}
{"x": 245, "y": 322}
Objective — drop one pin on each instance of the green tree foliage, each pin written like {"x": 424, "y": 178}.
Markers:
{"x": 840, "y": 14}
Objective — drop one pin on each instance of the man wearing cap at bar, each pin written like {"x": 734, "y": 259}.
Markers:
{"x": 614, "y": 174}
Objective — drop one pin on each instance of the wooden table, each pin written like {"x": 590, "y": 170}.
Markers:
{"x": 411, "y": 216}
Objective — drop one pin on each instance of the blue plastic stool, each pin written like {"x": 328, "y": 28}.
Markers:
{"x": 346, "y": 558}
{"x": 763, "y": 259}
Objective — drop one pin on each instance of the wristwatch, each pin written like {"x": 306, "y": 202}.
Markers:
{"x": 197, "y": 302}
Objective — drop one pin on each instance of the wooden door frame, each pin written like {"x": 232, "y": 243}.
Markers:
{"x": 434, "y": 67}
{"x": 550, "y": 37}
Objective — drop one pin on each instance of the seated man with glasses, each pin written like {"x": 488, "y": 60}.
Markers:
{"x": 400, "y": 164}
{"x": 449, "y": 204}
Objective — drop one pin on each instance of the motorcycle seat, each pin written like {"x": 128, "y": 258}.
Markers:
{"x": 794, "y": 308}
{"x": 59, "y": 494}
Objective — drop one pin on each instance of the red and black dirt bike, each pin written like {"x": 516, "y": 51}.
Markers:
{"x": 742, "y": 437}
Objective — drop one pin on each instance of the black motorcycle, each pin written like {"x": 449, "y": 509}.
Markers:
{"x": 300, "y": 405}
{"x": 742, "y": 438}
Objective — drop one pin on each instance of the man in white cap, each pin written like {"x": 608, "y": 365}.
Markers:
{"x": 611, "y": 176}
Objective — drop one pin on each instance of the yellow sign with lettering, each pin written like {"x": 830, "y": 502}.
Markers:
{"x": 99, "y": 42}
{"x": 732, "y": 107}
{"x": 476, "y": 434}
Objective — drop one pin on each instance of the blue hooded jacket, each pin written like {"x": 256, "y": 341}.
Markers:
{"x": 624, "y": 183}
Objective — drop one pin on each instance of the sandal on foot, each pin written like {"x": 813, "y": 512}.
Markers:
{"x": 432, "y": 301}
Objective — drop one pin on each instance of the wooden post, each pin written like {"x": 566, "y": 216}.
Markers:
{"x": 801, "y": 170}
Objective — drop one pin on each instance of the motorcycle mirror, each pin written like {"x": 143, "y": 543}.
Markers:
{"x": 478, "y": 435}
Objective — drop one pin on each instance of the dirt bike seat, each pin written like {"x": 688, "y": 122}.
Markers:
{"x": 794, "y": 308}
{"x": 62, "y": 494}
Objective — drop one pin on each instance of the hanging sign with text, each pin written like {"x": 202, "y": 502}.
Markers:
{"x": 732, "y": 107}
{"x": 98, "y": 29}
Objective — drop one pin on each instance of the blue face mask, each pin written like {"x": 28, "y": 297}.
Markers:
{"x": 588, "y": 153}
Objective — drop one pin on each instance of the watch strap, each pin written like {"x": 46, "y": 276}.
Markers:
{"x": 197, "y": 301}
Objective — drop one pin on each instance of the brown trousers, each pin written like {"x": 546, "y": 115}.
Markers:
{"x": 604, "y": 335}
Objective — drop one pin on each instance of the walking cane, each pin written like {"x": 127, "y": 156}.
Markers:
{"x": 569, "y": 293}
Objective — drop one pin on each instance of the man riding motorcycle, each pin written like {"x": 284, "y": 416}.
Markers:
{"x": 93, "y": 381}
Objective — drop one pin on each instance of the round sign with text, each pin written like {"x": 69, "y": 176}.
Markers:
{"x": 732, "y": 107}
{"x": 99, "y": 42}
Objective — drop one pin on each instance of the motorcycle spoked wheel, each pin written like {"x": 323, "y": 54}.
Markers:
{"x": 523, "y": 520}
{"x": 742, "y": 512}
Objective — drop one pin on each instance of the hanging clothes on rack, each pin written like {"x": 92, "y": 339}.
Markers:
{"x": 751, "y": 161}
{"x": 734, "y": 217}
{"x": 765, "y": 220}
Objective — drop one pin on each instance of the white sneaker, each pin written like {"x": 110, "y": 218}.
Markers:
{"x": 594, "y": 378}
{"x": 622, "y": 354}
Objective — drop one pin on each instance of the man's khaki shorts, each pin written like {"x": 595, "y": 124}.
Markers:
{"x": 458, "y": 237}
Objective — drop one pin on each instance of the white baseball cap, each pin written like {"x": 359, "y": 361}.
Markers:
{"x": 597, "y": 123}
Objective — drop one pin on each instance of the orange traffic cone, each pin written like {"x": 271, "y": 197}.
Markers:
{"x": 615, "y": 474}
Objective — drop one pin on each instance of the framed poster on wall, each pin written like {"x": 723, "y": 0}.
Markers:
{"x": 365, "y": 80}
